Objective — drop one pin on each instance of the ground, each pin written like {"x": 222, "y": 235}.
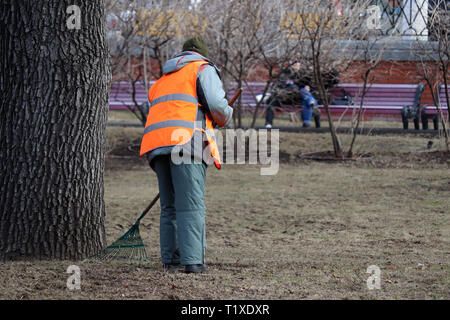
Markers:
{"x": 309, "y": 232}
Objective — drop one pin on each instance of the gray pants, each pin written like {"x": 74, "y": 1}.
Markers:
{"x": 182, "y": 221}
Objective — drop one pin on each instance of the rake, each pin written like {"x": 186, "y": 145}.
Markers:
{"x": 130, "y": 246}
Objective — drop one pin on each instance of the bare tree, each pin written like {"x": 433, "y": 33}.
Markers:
{"x": 232, "y": 26}
{"x": 124, "y": 49}
{"x": 327, "y": 28}
{"x": 146, "y": 35}
{"x": 249, "y": 38}
{"x": 371, "y": 53}
{"x": 277, "y": 46}
{"x": 434, "y": 57}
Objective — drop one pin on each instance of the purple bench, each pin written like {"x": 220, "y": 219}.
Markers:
{"x": 120, "y": 96}
{"x": 382, "y": 101}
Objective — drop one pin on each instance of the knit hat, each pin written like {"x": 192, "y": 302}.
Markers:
{"x": 196, "y": 44}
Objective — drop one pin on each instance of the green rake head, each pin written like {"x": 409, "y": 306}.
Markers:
{"x": 128, "y": 247}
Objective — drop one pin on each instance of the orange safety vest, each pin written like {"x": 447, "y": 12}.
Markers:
{"x": 175, "y": 113}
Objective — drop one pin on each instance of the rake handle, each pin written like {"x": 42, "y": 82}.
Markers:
{"x": 236, "y": 95}
{"x": 148, "y": 208}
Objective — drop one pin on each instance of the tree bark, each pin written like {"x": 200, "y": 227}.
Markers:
{"x": 54, "y": 84}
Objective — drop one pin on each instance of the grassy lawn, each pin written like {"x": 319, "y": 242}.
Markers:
{"x": 308, "y": 232}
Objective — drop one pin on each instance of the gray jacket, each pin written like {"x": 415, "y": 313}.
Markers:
{"x": 209, "y": 91}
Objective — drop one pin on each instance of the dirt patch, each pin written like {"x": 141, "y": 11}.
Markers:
{"x": 331, "y": 157}
{"x": 128, "y": 149}
{"x": 430, "y": 157}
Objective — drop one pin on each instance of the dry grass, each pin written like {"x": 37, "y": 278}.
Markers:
{"x": 281, "y": 120}
{"x": 309, "y": 232}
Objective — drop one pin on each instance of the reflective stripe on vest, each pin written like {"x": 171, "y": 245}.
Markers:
{"x": 174, "y": 106}
{"x": 169, "y": 123}
{"x": 175, "y": 97}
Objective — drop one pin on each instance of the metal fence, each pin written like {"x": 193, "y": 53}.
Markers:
{"x": 407, "y": 19}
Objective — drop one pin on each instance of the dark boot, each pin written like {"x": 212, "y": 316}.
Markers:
{"x": 175, "y": 264}
{"x": 195, "y": 268}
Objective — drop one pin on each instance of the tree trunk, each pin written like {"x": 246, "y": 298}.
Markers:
{"x": 361, "y": 104}
{"x": 447, "y": 98}
{"x": 54, "y": 84}
{"x": 323, "y": 95}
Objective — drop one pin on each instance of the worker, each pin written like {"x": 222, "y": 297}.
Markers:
{"x": 188, "y": 98}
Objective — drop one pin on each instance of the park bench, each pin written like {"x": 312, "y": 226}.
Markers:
{"x": 120, "y": 97}
{"x": 431, "y": 112}
{"x": 381, "y": 101}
